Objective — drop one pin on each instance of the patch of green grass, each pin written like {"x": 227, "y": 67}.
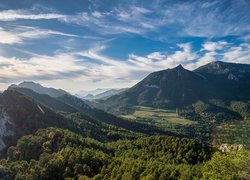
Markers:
{"x": 235, "y": 132}
{"x": 159, "y": 116}
{"x": 168, "y": 120}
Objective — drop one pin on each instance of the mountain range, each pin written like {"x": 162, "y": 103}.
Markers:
{"x": 99, "y": 94}
{"x": 27, "y": 107}
{"x": 217, "y": 84}
{"x": 84, "y": 93}
{"x": 104, "y": 95}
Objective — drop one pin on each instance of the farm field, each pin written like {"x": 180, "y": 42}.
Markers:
{"x": 162, "y": 118}
{"x": 159, "y": 116}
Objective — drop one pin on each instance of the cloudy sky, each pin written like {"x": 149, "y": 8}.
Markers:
{"x": 87, "y": 44}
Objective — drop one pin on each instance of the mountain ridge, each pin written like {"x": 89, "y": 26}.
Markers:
{"x": 179, "y": 87}
{"x": 40, "y": 89}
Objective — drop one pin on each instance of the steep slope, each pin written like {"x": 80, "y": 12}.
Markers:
{"x": 40, "y": 89}
{"x": 169, "y": 88}
{"x": 227, "y": 81}
{"x": 45, "y": 99}
{"x": 22, "y": 115}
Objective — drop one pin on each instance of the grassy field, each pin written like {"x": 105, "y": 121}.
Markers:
{"x": 157, "y": 115}
{"x": 235, "y": 132}
{"x": 169, "y": 121}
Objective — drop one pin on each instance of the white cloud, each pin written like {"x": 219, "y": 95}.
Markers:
{"x": 38, "y": 33}
{"x": 213, "y": 46}
{"x": 94, "y": 68}
{"x": 8, "y": 38}
{"x": 238, "y": 54}
{"x": 38, "y": 67}
{"x": 156, "y": 56}
{"x": 12, "y": 15}
{"x": 114, "y": 68}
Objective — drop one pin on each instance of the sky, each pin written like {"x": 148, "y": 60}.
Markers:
{"x": 88, "y": 44}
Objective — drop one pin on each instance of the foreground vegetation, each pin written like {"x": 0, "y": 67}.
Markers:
{"x": 234, "y": 132}
{"x": 150, "y": 144}
{"x": 54, "y": 153}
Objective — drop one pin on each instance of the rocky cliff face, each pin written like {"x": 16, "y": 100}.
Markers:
{"x": 5, "y": 128}
{"x": 230, "y": 147}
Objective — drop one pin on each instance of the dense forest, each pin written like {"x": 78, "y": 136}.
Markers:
{"x": 54, "y": 153}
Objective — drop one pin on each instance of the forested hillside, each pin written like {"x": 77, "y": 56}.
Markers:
{"x": 58, "y": 154}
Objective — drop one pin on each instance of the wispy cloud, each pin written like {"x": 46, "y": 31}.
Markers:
{"x": 39, "y": 67}
{"x": 197, "y": 18}
{"x": 22, "y": 33}
{"x": 13, "y": 15}
{"x": 210, "y": 19}
{"x": 103, "y": 23}
{"x": 154, "y": 19}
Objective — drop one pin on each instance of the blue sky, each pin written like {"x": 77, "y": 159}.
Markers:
{"x": 83, "y": 45}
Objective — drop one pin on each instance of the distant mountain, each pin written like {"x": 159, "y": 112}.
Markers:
{"x": 104, "y": 95}
{"x": 84, "y": 93}
{"x": 179, "y": 88}
{"x": 46, "y": 100}
{"x": 40, "y": 89}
